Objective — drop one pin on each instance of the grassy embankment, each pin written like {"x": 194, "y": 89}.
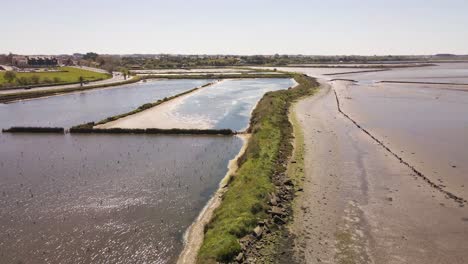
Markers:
{"x": 5, "y": 98}
{"x": 64, "y": 75}
{"x": 245, "y": 201}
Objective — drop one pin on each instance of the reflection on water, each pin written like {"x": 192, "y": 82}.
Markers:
{"x": 442, "y": 73}
{"x": 72, "y": 109}
{"x": 104, "y": 198}
{"x": 229, "y": 103}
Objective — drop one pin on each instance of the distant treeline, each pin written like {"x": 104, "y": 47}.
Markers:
{"x": 199, "y": 61}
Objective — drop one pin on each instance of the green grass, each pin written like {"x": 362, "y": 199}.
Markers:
{"x": 245, "y": 201}
{"x": 5, "y": 98}
{"x": 66, "y": 75}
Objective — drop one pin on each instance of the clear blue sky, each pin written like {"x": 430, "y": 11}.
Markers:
{"x": 325, "y": 27}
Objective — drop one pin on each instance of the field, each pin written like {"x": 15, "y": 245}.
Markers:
{"x": 64, "y": 75}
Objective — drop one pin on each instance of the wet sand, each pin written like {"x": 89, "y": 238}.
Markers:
{"x": 425, "y": 125}
{"x": 360, "y": 204}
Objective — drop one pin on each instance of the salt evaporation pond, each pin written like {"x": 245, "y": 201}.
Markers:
{"x": 104, "y": 198}
{"x": 427, "y": 125}
{"x": 76, "y": 108}
{"x": 227, "y": 104}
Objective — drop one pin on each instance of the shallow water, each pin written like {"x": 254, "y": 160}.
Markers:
{"x": 425, "y": 124}
{"x": 225, "y": 105}
{"x": 104, "y": 198}
{"x": 441, "y": 73}
{"x": 229, "y": 103}
{"x": 77, "y": 108}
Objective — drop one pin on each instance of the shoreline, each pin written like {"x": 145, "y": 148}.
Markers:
{"x": 194, "y": 235}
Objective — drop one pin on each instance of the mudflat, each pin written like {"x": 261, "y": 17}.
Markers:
{"x": 360, "y": 204}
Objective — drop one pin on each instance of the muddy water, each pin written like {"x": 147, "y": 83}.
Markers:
{"x": 77, "y": 108}
{"x": 104, "y": 198}
{"x": 427, "y": 125}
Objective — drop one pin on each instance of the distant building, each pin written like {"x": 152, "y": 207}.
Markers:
{"x": 19, "y": 61}
{"x": 40, "y": 61}
{"x": 34, "y": 61}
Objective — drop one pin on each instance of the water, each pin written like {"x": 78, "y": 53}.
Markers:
{"x": 441, "y": 73}
{"x": 104, "y": 198}
{"x": 227, "y": 104}
{"x": 230, "y": 103}
{"x": 425, "y": 124}
{"x": 77, "y": 108}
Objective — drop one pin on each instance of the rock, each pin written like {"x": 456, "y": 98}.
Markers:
{"x": 275, "y": 210}
{"x": 240, "y": 257}
{"x": 246, "y": 240}
{"x": 288, "y": 182}
{"x": 278, "y": 220}
{"x": 273, "y": 201}
{"x": 258, "y": 231}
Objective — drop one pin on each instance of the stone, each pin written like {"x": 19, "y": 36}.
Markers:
{"x": 288, "y": 182}
{"x": 275, "y": 210}
{"x": 240, "y": 257}
{"x": 258, "y": 231}
{"x": 278, "y": 220}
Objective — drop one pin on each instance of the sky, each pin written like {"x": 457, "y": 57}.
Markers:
{"x": 244, "y": 27}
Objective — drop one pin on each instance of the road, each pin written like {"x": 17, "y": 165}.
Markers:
{"x": 360, "y": 204}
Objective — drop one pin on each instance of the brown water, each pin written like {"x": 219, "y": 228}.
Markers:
{"x": 104, "y": 198}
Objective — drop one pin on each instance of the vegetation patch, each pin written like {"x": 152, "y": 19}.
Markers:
{"x": 34, "y": 130}
{"x": 63, "y": 75}
{"x": 5, "y": 98}
{"x": 245, "y": 203}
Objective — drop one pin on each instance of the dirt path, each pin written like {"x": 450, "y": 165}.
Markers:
{"x": 361, "y": 205}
